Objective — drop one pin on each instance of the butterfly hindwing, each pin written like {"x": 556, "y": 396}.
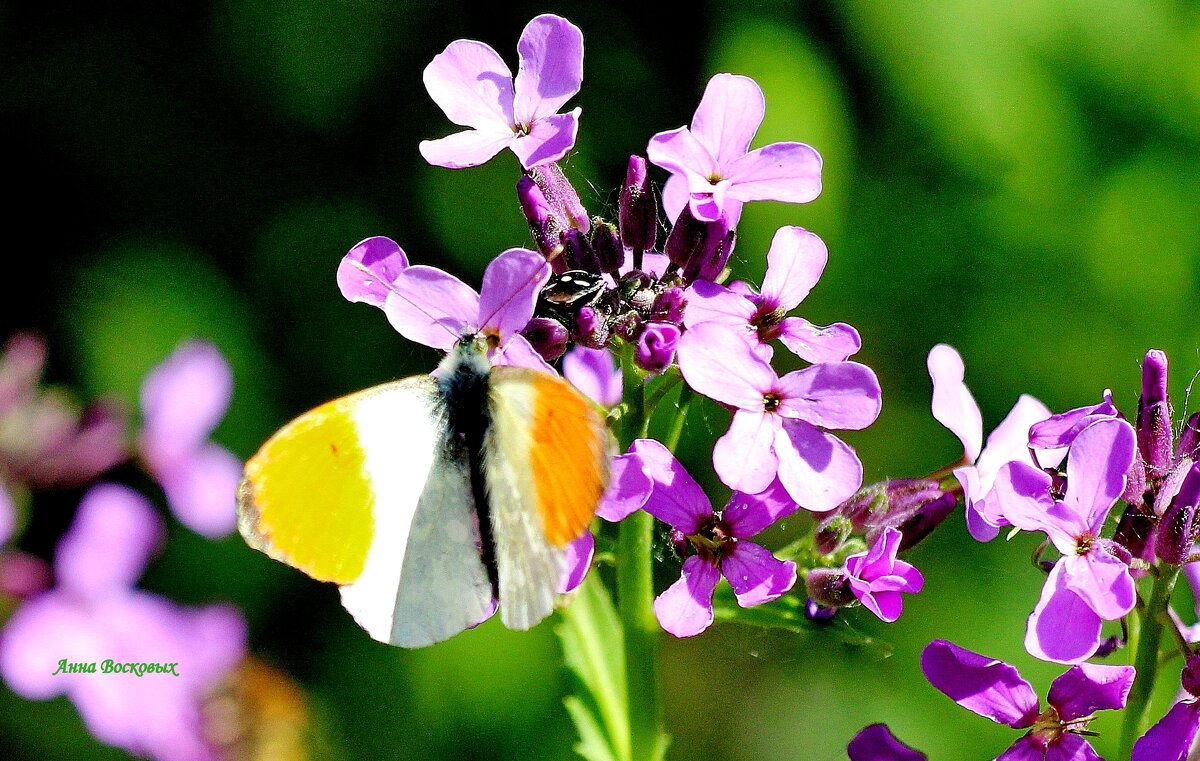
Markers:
{"x": 365, "y": 491}
{"x": 546, "y": 458}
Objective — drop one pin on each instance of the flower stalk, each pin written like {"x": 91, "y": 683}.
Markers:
{"x": 1153, "y": 617}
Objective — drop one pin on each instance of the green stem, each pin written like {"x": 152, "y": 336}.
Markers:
{"x": 1149, "y": 639}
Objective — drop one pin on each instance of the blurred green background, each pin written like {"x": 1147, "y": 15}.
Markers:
{"x": 1020, "y": 179}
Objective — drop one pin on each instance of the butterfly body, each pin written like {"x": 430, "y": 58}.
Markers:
{"x": 430, "y": 498}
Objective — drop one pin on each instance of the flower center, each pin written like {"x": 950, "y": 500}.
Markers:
{"x": 713, "y": 538}
{"x": 491, "y": 338}
{"x": 1083, "y": 543}
{"x": 1049, "y": 728}
{"x": 766, "y": 321}
{"x": 771, "y": 401}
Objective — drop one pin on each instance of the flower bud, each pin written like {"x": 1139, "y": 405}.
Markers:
{"x": 829, "y": 587}
{"x": 668, "y": 306}
{"x": 700, "y": 249}
{"x": 578, "y": 252}
{"x": 815, "y": 611}
{"x": 923, "y": 520}
{"x": 832, "y": 533}
{"x": 547, "y": 337}
{"x": 656, "y": 347}
{"x": 544, "y": 226}
{"x": 1190, "y": 678}
{"x": 561, "y": 196}
{"x": 1108, "y": 646}
{"x": 591, "y": 329}
{"x": 1177, "y": 529}
{"x": 638, "y": 208}
{"x": 678, "y": 542}
{"x": 712, "y": 263}
{"x": 1135, "y": 531}
{"x": 1189, "y": 439}
{"x": 607, "y": 244}
{"x": 1154, "y": 416}
{"x": 628, "y": 325}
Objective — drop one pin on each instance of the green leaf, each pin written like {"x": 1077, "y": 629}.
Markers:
{"x": 593, "y": 649}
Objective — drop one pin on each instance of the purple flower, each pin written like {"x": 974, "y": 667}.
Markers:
{"x": 94, "y": 615}
{"x": 712, "y": 166}
{"x": 475, "y": 88}
{"x": 994, "y": 689}
{"x": 656, "y": 346}
{"x": 183, "y": 399}
{"x": 877, "y": 743}
{"x": 795, "y": 262}
{"x": 877, "y": 578}
{"x": 435, "y": 308}
{"x": 720, "y": 541}
{"x": 1091, "y": 583}
{"x": 954, "y": 407}
{"x": 778, "y": 423}
{"x": 1058, "y": 431}
{"x": 1172, "y": 737}
{"x": 595, "y": 373}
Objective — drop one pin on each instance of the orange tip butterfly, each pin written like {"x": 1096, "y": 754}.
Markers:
{"x": 430, "y": 499}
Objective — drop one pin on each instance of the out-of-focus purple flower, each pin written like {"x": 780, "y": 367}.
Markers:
{"x": 877, "y": 743}
{"x": 94, "y": 616}
{"x": 877, "y": 578}
{"x": 1172, "y": 737}
{"x": 1091, "y": 583}
{"x": 436, "y": 309}
{"x": 46, "y": 440}
{"x": 595, "y": 373}
{"x": 367, "y": 271}
{"x": 779, "y": 424}
{"x": 720, "y": 541}
{"x": 711, "y": 163}
{"x": 475, "y": 88}
{"x": 795, "y": 262}
{"x": 994, "y": 689}
{"x": 656, "y": 346}
{"x": 183, "y": 399}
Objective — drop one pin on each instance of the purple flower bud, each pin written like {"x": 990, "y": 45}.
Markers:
{"x": 1136, "y": 483}
{"x": 712, "y": 263}
{"x": 678, "y": 541}
{"x": 1154, "y": 416}
{"x": 832, "y": 533}
{"x": 668, "y": 306}
{"x": 1177, "y": 530}
{"x": 578, "y": 252}
{"x": 685, "y": 237}
{"x": 591, "y": 329}
{"x": 23, "y": 575}
{"x": 628, "y": 326}
{"x": 638, "y": 208}
{"x": 548, "y": 337}
{"x": 1135, "y": 530}
{"x": 815, "y": 611}
{"x": 656, "y": 346}
{"x": 923, "y": 520}
{"x": 607, "y": 244}
{"x": 829, "y": 587}
{"x": 700, "y": 249}
{"x": 1108, "y": 646}
{"x": 545, "y": 227}
{"x": 1190, "y": 678}
{"x": 1189, "y": 439}
{"x": 563, "y": 200}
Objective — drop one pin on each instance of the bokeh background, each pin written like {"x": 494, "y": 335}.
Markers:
{"x": 1020, "y": 179}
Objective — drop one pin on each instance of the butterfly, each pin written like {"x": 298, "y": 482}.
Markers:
{"x": 433, "y": 499}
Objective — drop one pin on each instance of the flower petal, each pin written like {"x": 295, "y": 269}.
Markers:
{"x": 1102, "y": 581}
{"x": 367, "y": 270}
{"x": 202, "y": 491}
{"x": 756, "y": 575}
{"x": 511, "y": 284}
{"x": 719, "y": 363}
{"x": 679, "y": 152}
{"x": 40, "y": 633}
{"x": 675, "y": 497}
{"x": 710, "y": 302}
{"x": 685, "y": 608}
{"x": 1022, "y": 497}
{"x": 789, "y": 172}
{"x": 549, "y": 139}
{"x": 676, "y": 195}
{"x": 748, "y": 514}
{"x": 466, "y": 149}
{"x": 1062, "y": 628}
{"x": 579, "y": 562}
{"x": 105, "y": 550}
{"x": 1100, "y": 458}
{"x": 986, "y": 686}
{"x": 877, "y": 743}
{"x": 550, "y": 69}
{"x": 1084, "y": 689}
{"x": 980, "y": 522}
{"x": 843, "y": 395}
{"x": 518, "y": 352}
{"x": 729, "y": 114}
{"x": 816, "y": 344}
{"x": 182, "y": 401}
{"x": 432, "y": 307}
{"x": 1057, "y": 431}
{"x": 795, "y": 262}
{"x": 1024, "y": 749}
{"x": 1172, "y": 737}
{"x": 628, "y": 488}
{"x": 1010, "y": 441}
{"x": 1072, "y": 748}
{"x": 472, "y": 85}
{"x": 953, "y": 405}
{"x": 595, "y": 373}
{"x": 818, "y": 469}
{"x": 744, "y": 457}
